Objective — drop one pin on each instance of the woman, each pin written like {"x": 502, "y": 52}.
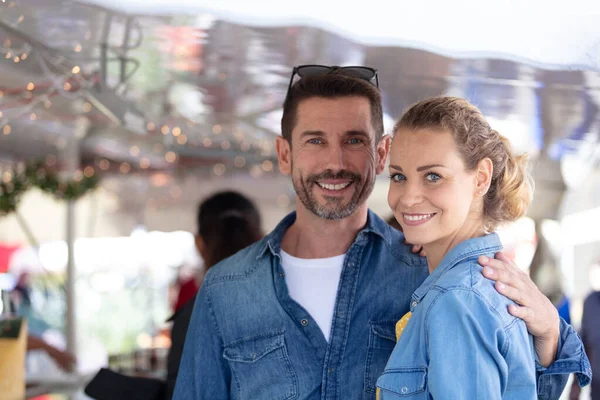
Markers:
{"x": 453, "y": 181}
{"x": 227, "y": 223}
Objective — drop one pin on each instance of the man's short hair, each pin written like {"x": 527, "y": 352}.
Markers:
{"x": 332, "y": 85}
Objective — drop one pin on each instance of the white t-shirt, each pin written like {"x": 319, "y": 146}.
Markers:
{"x": 313, "y": 283}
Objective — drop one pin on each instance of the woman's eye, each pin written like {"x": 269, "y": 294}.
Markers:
{"x": 433, "y": 177}
{"x": 397, "y": 177}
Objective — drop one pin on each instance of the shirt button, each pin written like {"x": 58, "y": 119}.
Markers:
{"x": 414, "y": 304}
{"x": 281, "y": 274}
{"x": 304, "y": 322}
{"x": 404, "y": 390}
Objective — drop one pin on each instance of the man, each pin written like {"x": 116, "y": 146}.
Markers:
{"x": 309, "y": 311}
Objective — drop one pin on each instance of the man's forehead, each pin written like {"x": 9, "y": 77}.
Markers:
{"x": 337, "y": 116}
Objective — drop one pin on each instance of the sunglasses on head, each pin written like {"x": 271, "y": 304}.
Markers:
{"x": 366, "y": 73}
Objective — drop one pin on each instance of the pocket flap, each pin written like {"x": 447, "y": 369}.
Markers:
{"x": 253, "y": 348}
{"x": 404, "y": 382}
{"x": 385, "y": 329}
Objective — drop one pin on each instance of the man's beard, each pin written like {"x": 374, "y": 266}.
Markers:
{"x": 333, "y": 209}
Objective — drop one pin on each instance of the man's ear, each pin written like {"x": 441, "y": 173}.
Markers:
{"x": 383, "y": 150}
{"x": 284, "y": 155}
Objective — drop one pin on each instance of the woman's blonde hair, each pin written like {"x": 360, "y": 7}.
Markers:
{"x": 511, "y": 187}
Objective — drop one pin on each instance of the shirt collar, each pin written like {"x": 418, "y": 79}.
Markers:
{"x": 469, "y": 249}
{"x": 272, "y": 242}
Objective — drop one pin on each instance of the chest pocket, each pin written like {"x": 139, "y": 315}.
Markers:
{"x": 405, "y": 383}
{"x": 261, "y": 368}
{"x": 382, "y": 339}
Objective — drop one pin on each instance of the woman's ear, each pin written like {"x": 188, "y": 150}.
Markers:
{"x": 485, "y": 170}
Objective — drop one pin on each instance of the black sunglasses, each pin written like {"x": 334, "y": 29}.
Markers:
{"x": 366, "y": 73}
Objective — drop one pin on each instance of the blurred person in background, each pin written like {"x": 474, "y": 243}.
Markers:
{"x": 22, "y": 306}
{"x": 227, "y": 223}
{"x": 590, "y": 333}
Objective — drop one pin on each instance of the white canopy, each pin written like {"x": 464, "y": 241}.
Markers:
{"x": 549, "y": 34}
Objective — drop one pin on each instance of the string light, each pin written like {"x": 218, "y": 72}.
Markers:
{"x": 219, "y": 169}
{"x": 207, "y": 142}
{"x": 77, "y": 48}
{"x": 1, "y": 114}
{"x": 76, "y": 69}
{"x": 239, "y": 162}
{"x": 176, "y": 131}
{"x": 104, "y": 164}
{"x": 33, "y": 116}
{"x": 89, "y": 171}
{"x": 8, "y": 55}
{"x": 134, "y": 151}
{"x": 170, "y": 156}
{"x": 67, "y": 86}
{"x": 87, "y": 107}
{"x": 24, "y": 56}
{"x": 164, "y": 130}
{"x": 239, "y": 135}
{"x": 7, "y": 129}
{"x": 150, "y": 126}
{"x": 267, "y": 166}
{"x": 256, "y": 171}
{"x": 245, "y": 146}
{"x": 182, "y": 139}
{"x": 225, "y": 145}
{"x": 6, "y": 177}
{"x": 30, "y": 86}
{"x": 16, "y": 59}
{"x": 125, "y": 168}
{"x": 144, "y": 163}
{"x": 78, "y": 175}
{"x": 217, "y": 129}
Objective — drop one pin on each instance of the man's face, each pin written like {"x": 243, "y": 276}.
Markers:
{"x": 334, "y": 157}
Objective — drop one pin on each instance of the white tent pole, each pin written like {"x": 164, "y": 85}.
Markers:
{"x": 71, "y": 326}
{"x": 72, "y": 162}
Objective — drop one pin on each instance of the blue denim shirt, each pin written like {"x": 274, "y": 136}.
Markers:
{"x": 248, "y": 339}
{"x": 461, "y": 342}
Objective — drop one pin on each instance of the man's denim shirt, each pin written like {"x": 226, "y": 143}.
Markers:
{"x": 249, "y": 340}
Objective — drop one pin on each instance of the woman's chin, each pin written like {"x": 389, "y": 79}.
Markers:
{"x": 415, "y": 240}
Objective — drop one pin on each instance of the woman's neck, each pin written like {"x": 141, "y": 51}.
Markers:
{"x": 436, "y": 251}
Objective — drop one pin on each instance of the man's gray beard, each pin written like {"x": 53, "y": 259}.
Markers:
{"x": 327, "y": 212}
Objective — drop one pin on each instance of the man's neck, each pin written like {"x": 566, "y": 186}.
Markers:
{"x": 314, "y": 237}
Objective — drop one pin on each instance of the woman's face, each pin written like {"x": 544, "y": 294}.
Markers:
{"x": 431, "y": 193}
